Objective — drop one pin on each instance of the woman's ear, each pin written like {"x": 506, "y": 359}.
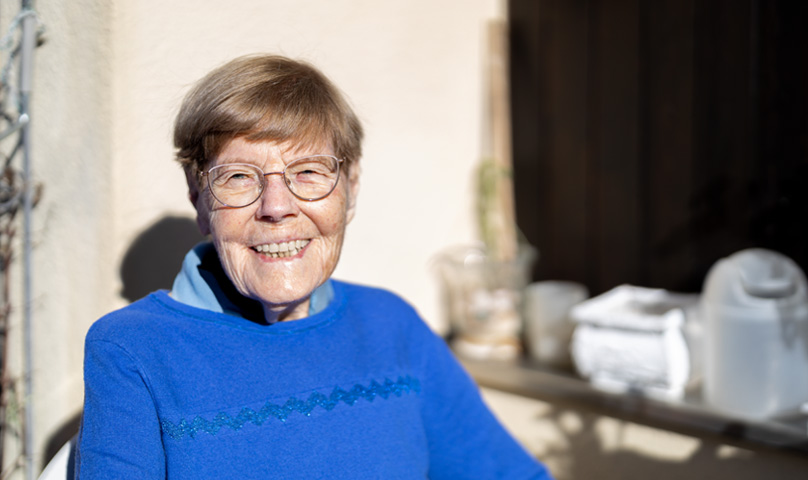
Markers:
{"x": 195, "y": 196}
{"x": 353, "y": 190}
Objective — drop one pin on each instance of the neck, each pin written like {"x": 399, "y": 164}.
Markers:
{"x": 282, "y": 313}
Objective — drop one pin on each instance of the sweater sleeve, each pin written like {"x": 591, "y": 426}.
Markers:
{"x": 465, "y": 440}
{"x": 120, "y": 431}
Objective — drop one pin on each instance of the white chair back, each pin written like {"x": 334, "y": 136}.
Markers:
{"x": 61, "y": 465}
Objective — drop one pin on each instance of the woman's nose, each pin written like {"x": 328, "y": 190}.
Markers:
{"x": 277, "y": 201}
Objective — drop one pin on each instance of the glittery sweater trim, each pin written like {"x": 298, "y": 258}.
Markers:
{"x": 281, "y": 412}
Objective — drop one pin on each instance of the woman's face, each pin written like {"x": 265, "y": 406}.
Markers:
{"x": 244, "y": 236}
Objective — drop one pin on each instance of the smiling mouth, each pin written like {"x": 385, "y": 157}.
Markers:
{"x": 281, "y": 250}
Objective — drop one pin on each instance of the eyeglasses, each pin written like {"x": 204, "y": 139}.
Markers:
{"x": 240, "y": 184}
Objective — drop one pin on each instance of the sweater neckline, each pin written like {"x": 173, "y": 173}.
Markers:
{"x": 318, "y": 320}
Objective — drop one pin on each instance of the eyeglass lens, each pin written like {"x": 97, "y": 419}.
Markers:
{"x": 239, "y": 185}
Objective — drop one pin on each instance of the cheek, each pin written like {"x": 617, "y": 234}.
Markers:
{"x": 336, "y": 225}
{"x": 227, "y": 224}
{"x": 332, "y": 227}
{"x": 335, "y": 218}
{"x": 211, "y": 217}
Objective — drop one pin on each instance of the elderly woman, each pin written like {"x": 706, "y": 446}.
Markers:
{"x": 257, "y": 365}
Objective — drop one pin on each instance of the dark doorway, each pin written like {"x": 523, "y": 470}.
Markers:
{"x": 652, "y": 138}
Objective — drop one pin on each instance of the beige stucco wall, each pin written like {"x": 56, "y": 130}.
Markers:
{"x": 73, "y": 270}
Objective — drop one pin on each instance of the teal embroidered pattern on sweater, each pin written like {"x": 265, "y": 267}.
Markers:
{"x": 281, "y": 412}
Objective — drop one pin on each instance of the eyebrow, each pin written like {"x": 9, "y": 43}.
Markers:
{"x": 285, "y": 161}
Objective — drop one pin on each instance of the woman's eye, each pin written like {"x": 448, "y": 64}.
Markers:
{"x": 236, "y": 178}
{"x": 310, "y": 169}
{"x": 310, "y": 176}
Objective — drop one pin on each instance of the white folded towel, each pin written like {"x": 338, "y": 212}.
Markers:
{"x": 633, "y": 338}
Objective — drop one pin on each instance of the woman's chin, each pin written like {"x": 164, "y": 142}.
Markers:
{"x": 281, "y": 296}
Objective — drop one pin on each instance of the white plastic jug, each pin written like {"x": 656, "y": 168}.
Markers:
{"x": 755, "y": 309}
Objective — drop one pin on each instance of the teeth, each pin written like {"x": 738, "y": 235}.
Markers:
{"x": 283, "y": 249}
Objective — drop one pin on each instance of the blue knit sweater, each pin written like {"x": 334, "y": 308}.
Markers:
{"x": 361, "y": 390}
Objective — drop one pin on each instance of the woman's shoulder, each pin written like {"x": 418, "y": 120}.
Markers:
{"x": 383, "y": 308}
{"x": 134, "y": 320}
{"x": 371, "y": 297}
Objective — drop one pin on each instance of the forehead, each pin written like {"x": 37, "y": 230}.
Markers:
{"x": 240, "y": 149}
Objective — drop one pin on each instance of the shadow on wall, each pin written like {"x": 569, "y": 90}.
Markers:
{"x": 583, "y": 454}
{"x": 155, "y": 257}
